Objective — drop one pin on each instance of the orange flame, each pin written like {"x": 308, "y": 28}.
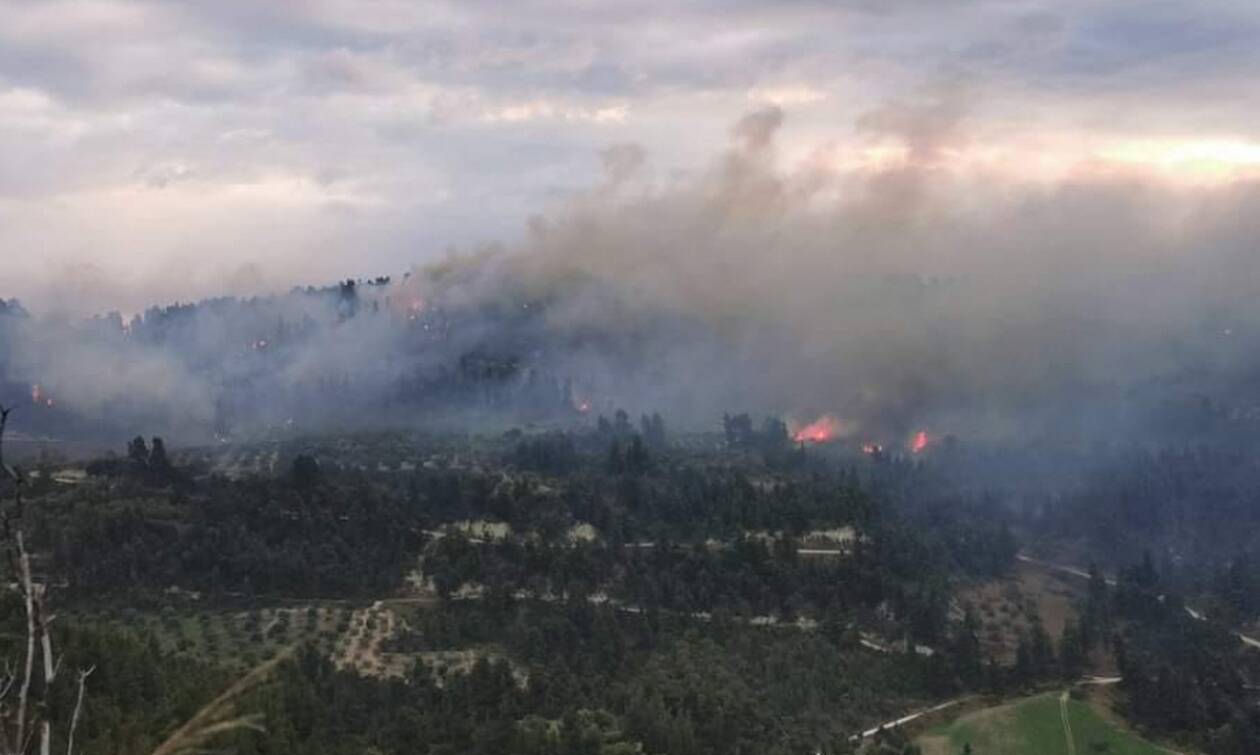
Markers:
{"x": 919, "y": 443}
{"x": 821, "y": 430}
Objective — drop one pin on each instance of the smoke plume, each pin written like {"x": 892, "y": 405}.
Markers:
{"x": 900, "y": 294}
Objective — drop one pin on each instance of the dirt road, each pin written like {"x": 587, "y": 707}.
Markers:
{"x": 1067, "y": 725}
{"x": 1074, "y": 571}
{"x": 907, "y": 719}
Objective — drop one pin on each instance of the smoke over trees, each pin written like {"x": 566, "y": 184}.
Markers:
{"x": 893, "y": 295}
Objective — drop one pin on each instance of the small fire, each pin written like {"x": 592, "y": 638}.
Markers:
{"x": 582, "y": 405}
{"x": 821, "y": 430}
{"x": 38, "y": 396}
{"x": 919, "y": 443}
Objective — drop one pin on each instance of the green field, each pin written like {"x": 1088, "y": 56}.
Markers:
{"x": 1035, "y": 727}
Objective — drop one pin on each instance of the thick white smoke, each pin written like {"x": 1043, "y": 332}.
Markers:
{"x": 906, "y": 292}
{"x": 898, "y": 294}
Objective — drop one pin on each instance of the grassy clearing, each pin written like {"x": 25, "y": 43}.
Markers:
{"x": 1095, "y": 734}
{"x": 1034, "y": 727}
{"x": 1006, "y": 606}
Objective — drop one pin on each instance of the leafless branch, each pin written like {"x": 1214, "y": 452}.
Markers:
{"x": 25, "y": 721}
{"x": 9, "y": 678}
{"x": 42, "y": 619}
{"x": 28, "y": 592}
{"x": 14, "y": 537}
{"x": 78, "y": 707}
{"x": 4, "y": 422}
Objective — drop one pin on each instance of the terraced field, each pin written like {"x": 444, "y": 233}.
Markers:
{"x": 352, "y": 637}
{"x": 241, "y": 638}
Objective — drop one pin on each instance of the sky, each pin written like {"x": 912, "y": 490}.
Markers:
{"x": 157, "y": 151}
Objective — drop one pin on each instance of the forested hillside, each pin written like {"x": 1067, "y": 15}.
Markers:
{"x": 614, "y": 589}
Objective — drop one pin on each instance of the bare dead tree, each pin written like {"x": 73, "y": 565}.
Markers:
{"x": 25, "y": 719}
{"x": 78, "y": 707}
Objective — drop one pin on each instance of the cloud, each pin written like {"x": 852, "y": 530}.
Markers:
{"x": 786, "y": 96}
{"x": 924, "y": 127}
{"x": 158, "y": 136}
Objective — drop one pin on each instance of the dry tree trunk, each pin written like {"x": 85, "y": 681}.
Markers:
{"x": 78, "y": 706}
{"x": 26, "y": 718}
{"x": 217, "y": 717}
{"x": 23, "y": 563}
